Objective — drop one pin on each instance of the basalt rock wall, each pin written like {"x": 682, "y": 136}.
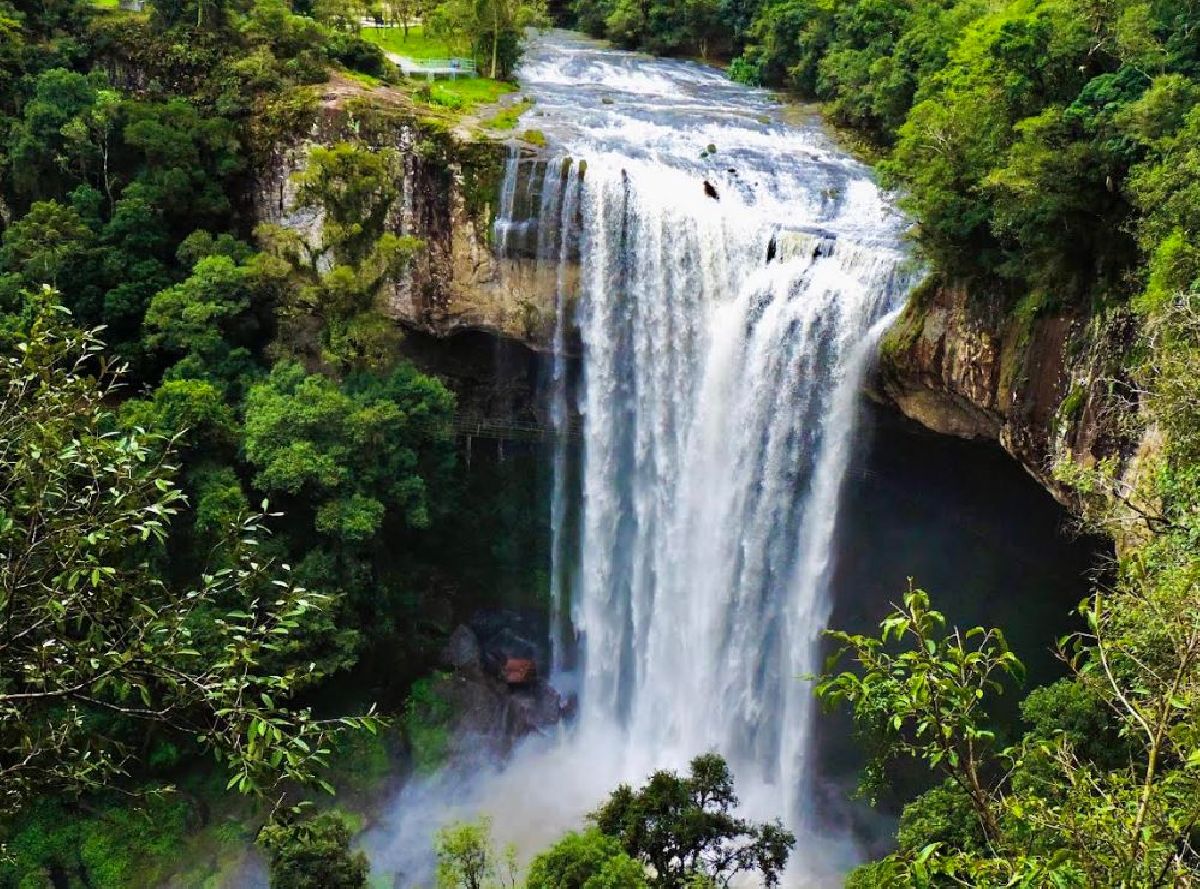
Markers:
{"x": 1039, "y": 382}
{"x": 452, "y": 177}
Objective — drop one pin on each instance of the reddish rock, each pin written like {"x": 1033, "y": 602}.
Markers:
{"x": 519, "y": 671}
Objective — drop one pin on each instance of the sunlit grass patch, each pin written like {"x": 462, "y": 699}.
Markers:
{"x": 506, "y": 118}
{"x": 415, "y": 46}
{"x": 465, "y": 94}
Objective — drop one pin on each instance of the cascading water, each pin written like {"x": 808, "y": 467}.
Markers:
{"x": 734, "y": 272}
{"x": 723, "y": 274}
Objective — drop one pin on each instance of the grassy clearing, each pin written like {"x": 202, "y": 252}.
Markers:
{"x": 464, "y": 95}
{"x": 415, "y": 46}
{"x": 367, "y": 80}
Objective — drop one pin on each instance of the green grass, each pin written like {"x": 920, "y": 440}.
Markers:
{"x": 506, "y": 118}
{"x": 417, "y": 46}
{"x": 364, "y": 79}
{"x": 466, "y": 94}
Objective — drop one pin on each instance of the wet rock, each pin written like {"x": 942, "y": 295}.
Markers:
{"x": 711, "y": 190}
{"x": 519, "y": 671}
{"x": 960, "y": 364}
{"x": 495, "y": 690}
{"x": 505, "y": 634}
{"x": 508, "y": 645}
{"x": 462, "y": 652}
{"x": 533, "y": 710}
{"x": 478, "y": 729}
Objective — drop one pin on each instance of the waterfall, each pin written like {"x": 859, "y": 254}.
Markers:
{"x": 725, "y": 314}
{"x": 721, "y": 273}
{"x": 560, "y": 414}
{"x": 718, "y": 407}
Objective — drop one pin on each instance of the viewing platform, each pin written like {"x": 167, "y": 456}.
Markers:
{"x": 434, "y": 68}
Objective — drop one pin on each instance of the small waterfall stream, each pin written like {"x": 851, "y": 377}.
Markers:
{"x": 733, "y": 273}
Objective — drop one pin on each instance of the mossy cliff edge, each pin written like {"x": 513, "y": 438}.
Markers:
{"x": 453, "y": 172}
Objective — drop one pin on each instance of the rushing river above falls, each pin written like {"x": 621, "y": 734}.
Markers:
{"x": 734, "y": 272}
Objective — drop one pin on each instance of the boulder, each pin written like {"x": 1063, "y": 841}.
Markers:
{"x": 494, "y": 688}
{"x": 505, "y": 634}
{"x": 462, "y": 651}
{"x": 519, "y": 671}
{"x": 533, "y": 710}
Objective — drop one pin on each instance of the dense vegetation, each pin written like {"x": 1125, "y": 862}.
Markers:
{"x": 1041, "y": 146}
{"x": 168, "y": 369}
{"x": 1048, "y": 152}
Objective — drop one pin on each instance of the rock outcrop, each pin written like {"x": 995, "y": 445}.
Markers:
{"x": 494, "y": 688}
{"x": 1035, "y": 381}
{"x": 452, "y": 184}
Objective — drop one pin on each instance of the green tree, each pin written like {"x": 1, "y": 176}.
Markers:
{"x": 591, "y": 16}
{"x": 683, "y": 828}
{"x": 352, "y": 453}
{"x": 407, "y": 12}
{"x": 210, "y": 321}
{"x": 492, "y": 29}
{"x": 587, "y": 860}
{"x": 928, "y": 701}
{"x": 467, "y": 857}
{"x": 313, "y": 853}
{"x": 41, "y": 244}
{"x": 91, "y": 632}
{"x": 1065, "y": 806}
{"x": 39, "y": 141}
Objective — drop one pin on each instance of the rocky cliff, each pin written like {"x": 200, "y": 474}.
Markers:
{"x": 1038, "y": 381}
{"x": 452, "y": 173}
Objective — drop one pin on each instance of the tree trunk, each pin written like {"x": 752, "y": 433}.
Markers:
{"x": 495, "y": 39}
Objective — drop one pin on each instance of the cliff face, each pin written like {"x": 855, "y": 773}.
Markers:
{"x": 452, "y": 178}
{"x": 1034, "y": 381}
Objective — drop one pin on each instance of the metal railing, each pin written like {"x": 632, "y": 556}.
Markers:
{"x": 474, "y": 426}
{"x": 456, "y": 67}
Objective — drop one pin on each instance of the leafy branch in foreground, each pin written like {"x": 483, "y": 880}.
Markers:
{"x": 92, "y": 640}
{"x": 927, "y": 699}
{"x": 1104, "y": 790}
